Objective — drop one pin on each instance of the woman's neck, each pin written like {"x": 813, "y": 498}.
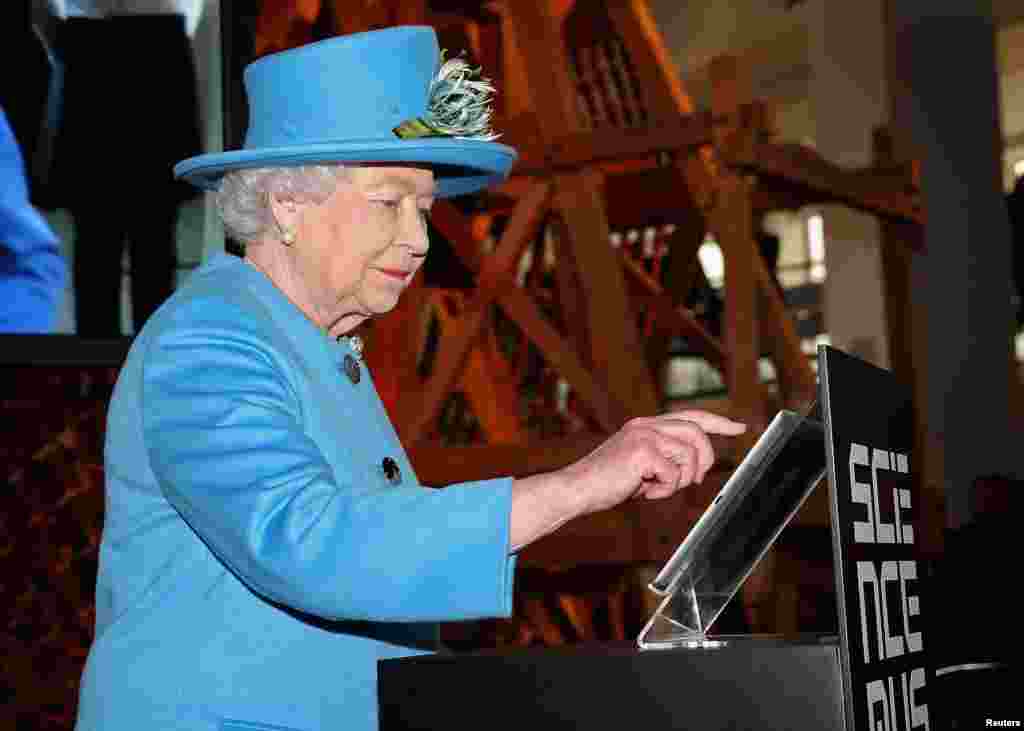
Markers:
{"x": 269, "y": 258}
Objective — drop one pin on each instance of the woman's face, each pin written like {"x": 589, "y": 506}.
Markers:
{"x": 358, "y": 250}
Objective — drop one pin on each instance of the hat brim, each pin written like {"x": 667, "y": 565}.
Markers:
{"x": 461, "y": 166}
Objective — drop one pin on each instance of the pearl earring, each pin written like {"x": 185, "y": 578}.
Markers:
{"x": 287, "y": 237}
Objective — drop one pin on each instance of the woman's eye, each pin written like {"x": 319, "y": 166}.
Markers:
{"x": 388, "y": 203}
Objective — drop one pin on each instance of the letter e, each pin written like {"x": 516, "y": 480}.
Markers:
{"x": 911, "y": 605}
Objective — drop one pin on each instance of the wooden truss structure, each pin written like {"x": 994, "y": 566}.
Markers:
{"x": 563, "y": 332}
{"x": 609, "y": 141}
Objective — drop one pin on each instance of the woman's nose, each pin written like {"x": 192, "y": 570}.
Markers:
{"x": 414, "y": 230}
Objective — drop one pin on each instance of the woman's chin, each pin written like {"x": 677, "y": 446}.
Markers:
{"x": 382, "y": 304}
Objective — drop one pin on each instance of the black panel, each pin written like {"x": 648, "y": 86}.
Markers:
{"x": 759, "y": 684}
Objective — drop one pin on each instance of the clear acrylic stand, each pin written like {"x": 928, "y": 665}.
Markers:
{"x": 734, "y": 533}
{"x": 682, "y": 620}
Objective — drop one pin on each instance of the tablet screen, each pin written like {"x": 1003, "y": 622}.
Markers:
{"x": 746, "y": 517}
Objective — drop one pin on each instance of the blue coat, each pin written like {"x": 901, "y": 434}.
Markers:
{"x": 256, "y": 561}
{"x": 32, "y": 269}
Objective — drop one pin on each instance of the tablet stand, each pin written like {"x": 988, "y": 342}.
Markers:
{"x": 735, "y": 532}
{"x": 682, "y": 620}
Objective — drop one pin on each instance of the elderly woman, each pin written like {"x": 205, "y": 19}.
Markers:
{"x": 266, "y": 540}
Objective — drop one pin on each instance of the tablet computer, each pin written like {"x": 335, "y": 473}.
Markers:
{"x": 739, "y": 526}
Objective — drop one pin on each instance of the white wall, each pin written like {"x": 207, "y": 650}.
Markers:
{"x": 775, "y": 42}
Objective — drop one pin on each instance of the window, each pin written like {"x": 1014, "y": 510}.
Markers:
{"x": 802, "y": 253}
{"x": 712, "y": 261}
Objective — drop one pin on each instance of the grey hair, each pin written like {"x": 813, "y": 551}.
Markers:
{"x": 243, "y": 196}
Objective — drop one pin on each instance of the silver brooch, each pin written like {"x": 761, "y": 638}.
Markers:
{"x": 356, "y": 343}
{"x": 351, "y": 368}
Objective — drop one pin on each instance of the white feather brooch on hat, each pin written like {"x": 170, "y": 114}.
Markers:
{"x": 458, "y": 105}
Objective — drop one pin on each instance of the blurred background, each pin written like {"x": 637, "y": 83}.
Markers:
{"x": 706, "y": 192}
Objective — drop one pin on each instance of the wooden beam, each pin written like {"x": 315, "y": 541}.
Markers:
{"x": 524, "y": 312}
{"x": 556, "y": 103}
{"x": 409, "y": 12}
{"x": 516, "y": 92}
{"x": 417, "y": 414}
{"x": 636, "y": 532}
{"x": 393, "y": 347}
{"x": 732, "y": 221}
{"x": 785, "y": 197}
{"x": 485, "y": 380}
{"x": 680, "y": 269}
{"x": 684, "y": 267}
{"x": 570, "y": 298}
{"x": 541, "y": 58}
{"x": 666, "y": 98}
{"x": 498, "y": 271}
{"x": 683, "y": 323}
{"x": 522, "y": 131}
{"x": 797, "y": 381}
{"x": 653, "y": 197}
{"x": 534, "y": 610}
{"x": 614, "y": 339}
{"x": 609, "y": 412}
{"x": 796, "y": 177}
{"x": 678, "y": 318}
{"x": 861, "y": 190}
{"x": 591, "y": 147}
{"x": 451, "y": 223}
{"x": 522, "y": 228}
{"x": 436, "y": 465}
{"x": 897, "y": 262}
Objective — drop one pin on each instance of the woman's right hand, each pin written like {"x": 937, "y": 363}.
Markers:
{"x": 651, "y": 457}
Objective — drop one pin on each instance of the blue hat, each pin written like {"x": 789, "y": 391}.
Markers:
{"x": 381, "y": 96}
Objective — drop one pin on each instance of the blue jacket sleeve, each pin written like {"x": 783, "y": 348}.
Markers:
{"x": 223, "y": 422}
{"x": 33, "y": 272}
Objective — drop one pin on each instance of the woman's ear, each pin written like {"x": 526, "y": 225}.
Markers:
{"x": 285, "y": 212}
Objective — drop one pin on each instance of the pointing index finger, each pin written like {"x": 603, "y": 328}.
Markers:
{"x": 711, "y": 423}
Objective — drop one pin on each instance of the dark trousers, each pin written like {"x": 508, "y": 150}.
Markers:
{"x": 147, "y": 229}
{"x": 130, "y": 113}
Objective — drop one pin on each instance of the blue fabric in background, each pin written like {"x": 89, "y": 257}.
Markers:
{"x": 33, "y": 272}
